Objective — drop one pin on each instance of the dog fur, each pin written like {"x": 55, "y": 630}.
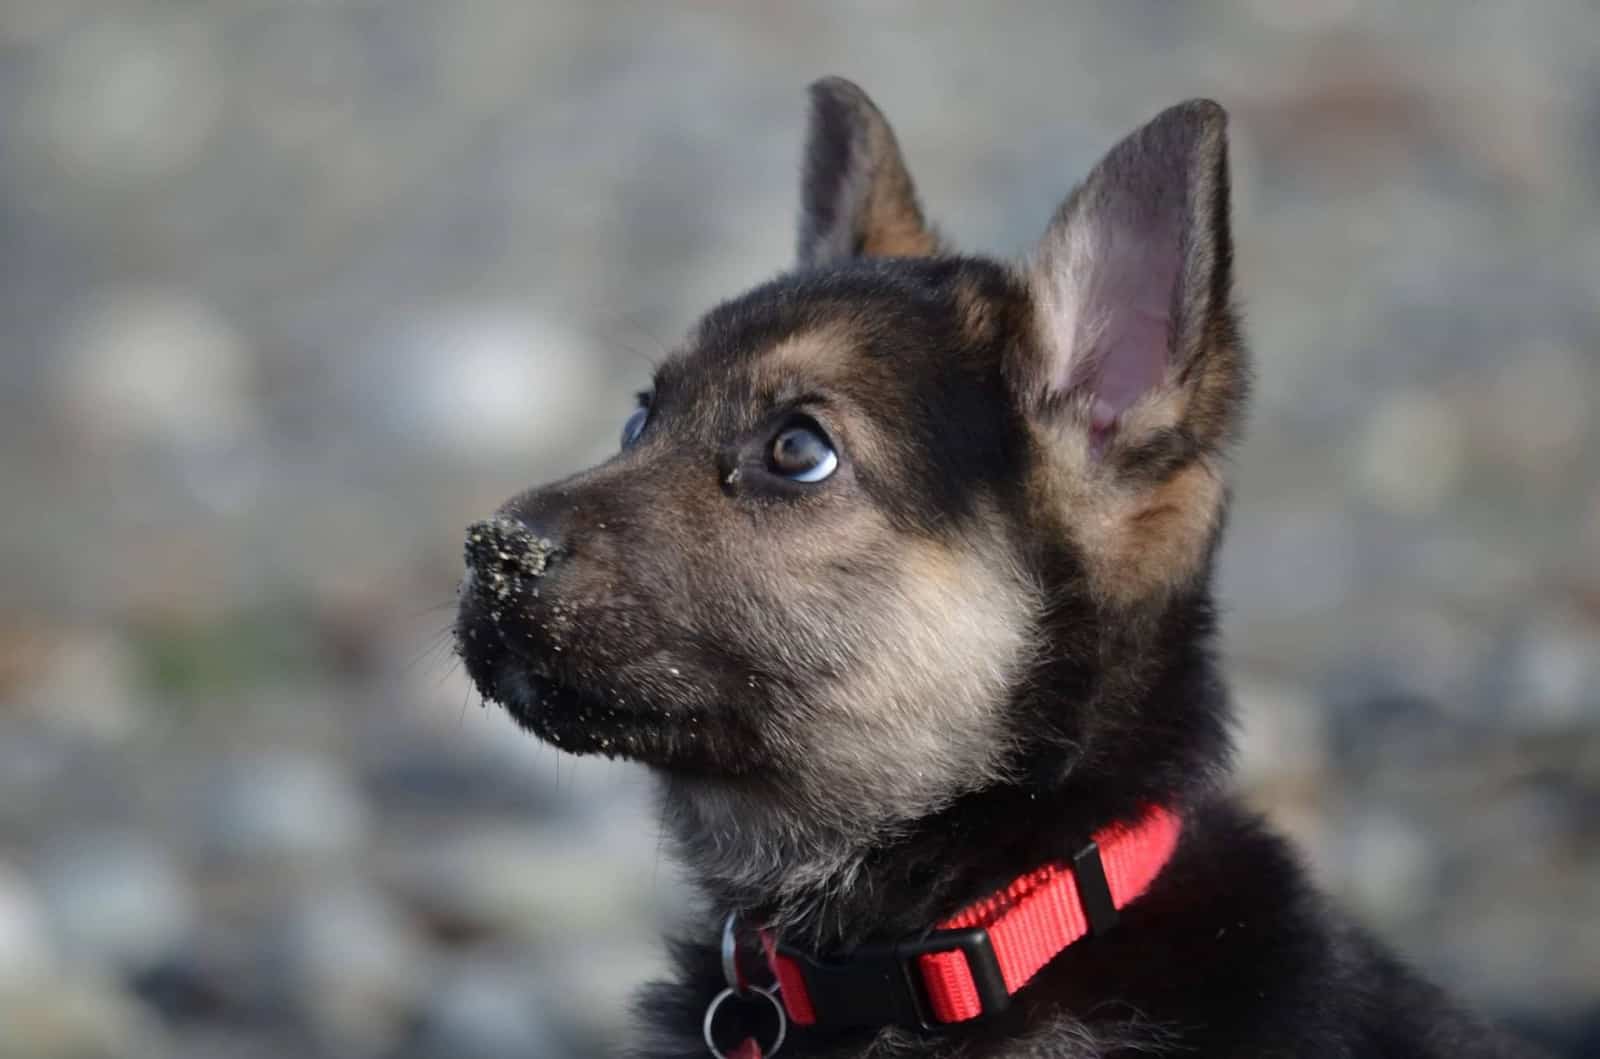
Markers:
{"x": 873, "y": 699}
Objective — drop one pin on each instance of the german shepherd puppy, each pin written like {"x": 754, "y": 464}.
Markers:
{"x": 901, "y": 583}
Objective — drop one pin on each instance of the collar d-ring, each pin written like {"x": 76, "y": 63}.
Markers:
{"x": 770, "y": 995}
{"x": 732, "y": 973}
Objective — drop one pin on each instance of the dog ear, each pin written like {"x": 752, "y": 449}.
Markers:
{"x": 856, "y": 197}
{"x": 1134, "y": 337}
{"x": 1131, "y": 372}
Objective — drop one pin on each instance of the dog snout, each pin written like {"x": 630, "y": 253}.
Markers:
{"x": 502, "y": 548}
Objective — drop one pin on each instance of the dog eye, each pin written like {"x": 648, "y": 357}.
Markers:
{"x": 802, "y": 453}
{"x": 634, "y": 426}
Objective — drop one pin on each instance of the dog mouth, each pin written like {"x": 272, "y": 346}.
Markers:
{"x": 571, "y": 718}
{"x": 579, "y": 720}
{"x": 541, "y": 680}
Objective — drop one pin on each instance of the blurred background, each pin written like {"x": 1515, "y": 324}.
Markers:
{"x": 291, "y": 290}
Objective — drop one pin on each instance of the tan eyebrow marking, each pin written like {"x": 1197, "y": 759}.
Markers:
{"x": 820, "y": 354}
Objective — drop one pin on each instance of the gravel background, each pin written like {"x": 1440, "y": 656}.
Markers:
{"x": 291, "y": 290}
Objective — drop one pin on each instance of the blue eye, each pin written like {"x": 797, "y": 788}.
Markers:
{"x": 802, "y": 453}
{"x": 634, "y": 426}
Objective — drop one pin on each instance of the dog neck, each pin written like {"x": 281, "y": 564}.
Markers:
{"x": 829, "y": 891}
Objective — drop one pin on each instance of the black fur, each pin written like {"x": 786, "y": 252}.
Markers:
{"x": 1230, "y": 953}
{"x": 875, "y": 699}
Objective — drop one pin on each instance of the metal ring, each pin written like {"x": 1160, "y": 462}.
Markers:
{"x": 777, "y": 1007}
{"x": 730, "y": 955}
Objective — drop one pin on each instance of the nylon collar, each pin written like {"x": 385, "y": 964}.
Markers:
{"x": 973, "y": 962}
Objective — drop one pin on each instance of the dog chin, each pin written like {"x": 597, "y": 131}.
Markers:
{"x": 581, "y": 722}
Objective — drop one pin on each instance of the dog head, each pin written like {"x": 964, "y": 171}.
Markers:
{"x": 896, "y": 526}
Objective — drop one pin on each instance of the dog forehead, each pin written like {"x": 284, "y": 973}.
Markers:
{"x": 894, "y": 342}
{"x": 830, "y": 354}
{"x": 718, "y": 391}
{"x": 769, "y": 355}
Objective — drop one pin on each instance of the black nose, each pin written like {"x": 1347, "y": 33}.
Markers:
{"x": 503, "y": 547}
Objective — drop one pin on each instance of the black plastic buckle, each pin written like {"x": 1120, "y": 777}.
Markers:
{"x": 879, "y": 985}
{"x": 1094, "y": 892}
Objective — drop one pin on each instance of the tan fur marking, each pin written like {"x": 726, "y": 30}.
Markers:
{"x": 978, "y": 315}
{"x": 893, "y": 225}
{"x": 949, "y": 629}
{"x": 1161, "y": 407}
{"x": 1138, "y": 541}
{"x": 947, "y": 641}
{"x": 1164, "y": 535}
{"x": 892, "y": 233}
{"x": 820, "y": 353}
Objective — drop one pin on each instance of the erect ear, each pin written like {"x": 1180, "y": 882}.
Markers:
{"x": 856, "y": 197}
{"x": 1135, "y": 342}
{"x": 1132, "y": 375}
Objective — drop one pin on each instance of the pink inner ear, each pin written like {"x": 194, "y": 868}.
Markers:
{"x": 1135, "y": 358}
{"x": 1123, "y": 333}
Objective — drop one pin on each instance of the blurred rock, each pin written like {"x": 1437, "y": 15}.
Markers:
{"x": 508, "y": 880}
{"x": 591, "y": 984}
{"x": 146, "y": 364}
{"x": 200, "y": 985}
{"x": 1282, "y": 734}
{"x": 1590, "y": 537}
{"x": 1458, "y": 566}
{"x": 234, "y": 1042}
{"x": 114, "y": 898}
{"x": 353, "y": 967}
{"x": 1538, "y": 962}
{"x": 1312, "y": 549}
{"x": 1537, "y": 412}
{"x": 481, "y": 381}
{"x": 75, "y": 1017}
{"x": 1437, "y": 657}
{"x": 1554, "y": 679}
{"x": 1412, "y": 452}
{"x": 452, "y": 779}
{"x": 25, "y": 951}
{"x": 85, "y": 687}
{"x": 1379, "y": 726}
{"x": 1389, "y": 866}
{"x": 32, "y": 767}
{"x": 486, "y": 1010}
{"x": 281, "y": 805}
{"x": 130, "y": 100}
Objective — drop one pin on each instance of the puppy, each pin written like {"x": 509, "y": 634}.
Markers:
{"x": 901, "y": 583}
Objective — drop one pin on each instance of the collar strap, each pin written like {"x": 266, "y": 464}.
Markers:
{"x": 975, "y": 960}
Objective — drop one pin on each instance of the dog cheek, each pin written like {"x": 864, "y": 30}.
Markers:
{"x": 920, "y": 715}
{"x": 592, "y": 617}
{"x": 633, "y": 619}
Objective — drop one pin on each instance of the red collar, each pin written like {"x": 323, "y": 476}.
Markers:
{"x": 974, "y": 961}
